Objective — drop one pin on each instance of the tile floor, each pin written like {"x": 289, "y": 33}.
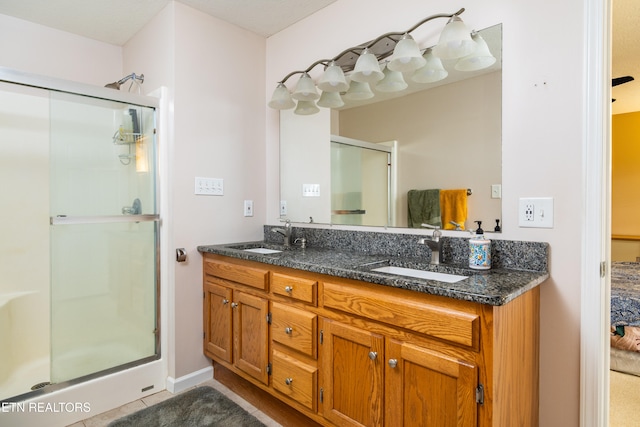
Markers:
{"x": 101, "y": 420}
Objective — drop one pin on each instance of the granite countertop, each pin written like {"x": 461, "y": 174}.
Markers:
{"x": 493, "y": 287}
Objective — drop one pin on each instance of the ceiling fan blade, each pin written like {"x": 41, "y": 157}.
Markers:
{"x": 621, "y": 80}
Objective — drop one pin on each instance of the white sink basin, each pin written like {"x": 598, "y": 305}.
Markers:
{"x": 429, "y": 275}
{"x": 263, "y": 251}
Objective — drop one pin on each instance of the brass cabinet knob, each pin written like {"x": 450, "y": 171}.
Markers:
{"x": 393, "y": 362}
{"x": 288, "y": 381}
{"x": 225, "y": 301}
{"x": 288, "y": 331}
{"x": 234, "y": 304}
{"x": 288, "y": 289}
{"x": 373, "y": 355}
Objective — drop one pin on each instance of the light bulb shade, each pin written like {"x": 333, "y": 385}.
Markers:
{"x": 406, "y": 56}
{"x": 455, "y": 40}
{"x": 281, "y": 98}
{"x": 479, "y": 59}
{"x": 330, "y": 100}
{"x": 333, "y": 79}
{"x": 393, "y": 81}
{"x": 359, "y": 91}
{"x": 306, "y": 108}
{"x": 367, "y": 69}
{"x": 433, "y": 71}
{"x": 305, "y": 89}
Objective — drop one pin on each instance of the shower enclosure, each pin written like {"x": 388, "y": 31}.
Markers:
{"x": 79, "y": 252}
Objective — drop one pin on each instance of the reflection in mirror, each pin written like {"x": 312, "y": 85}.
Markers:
{"x": 445, "y": 136}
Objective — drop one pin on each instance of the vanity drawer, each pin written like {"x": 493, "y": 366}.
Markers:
{"x": 295, "y": 379}
{"x": 456, "y": 322}
{"x": 251, "y": 276}
{"x": 294, "y": 287}
{"x": 294, "y": 328}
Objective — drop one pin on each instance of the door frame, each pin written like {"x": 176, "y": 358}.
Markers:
{"x": 596, "y": 229}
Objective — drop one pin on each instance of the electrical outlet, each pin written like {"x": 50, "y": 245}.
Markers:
{"x": 283, "y": 207}
{"x": 536, "y": 212}
{"x": 528, "y": 211}
{"x": 248, "y": 208}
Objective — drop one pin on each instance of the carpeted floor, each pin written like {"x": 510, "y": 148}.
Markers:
{"x": 624, "y": 410}
{"x": 200, "y": 407}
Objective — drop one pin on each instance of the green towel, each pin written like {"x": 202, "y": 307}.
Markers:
{"x": 424, "y": 208}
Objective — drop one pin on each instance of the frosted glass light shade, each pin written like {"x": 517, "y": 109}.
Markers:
{"x": 367, "y": 69}
{"x": 406, "y": 56}
{"x": 281, "y": 98}
{"x": 306, "y": 108}
{"x": 305, "y": 89}
{"x": 330, "y": 100}
{"x": 333, "y": 79}
{"x": 393, "y": 81}
{"x": 433, "y": 71}
{"x": 359, "y": 91}
{"x": 455, "y": 40}
{"x": 479, "y": 59}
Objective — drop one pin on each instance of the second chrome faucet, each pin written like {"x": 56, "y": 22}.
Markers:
{"x": 434, "y": 242}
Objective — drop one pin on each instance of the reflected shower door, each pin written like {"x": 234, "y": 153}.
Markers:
{"x": 104, "y": 228}
{"x": 360, "y": 183}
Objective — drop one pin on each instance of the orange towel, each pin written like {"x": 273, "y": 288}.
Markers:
{"x": 453, "y": 207}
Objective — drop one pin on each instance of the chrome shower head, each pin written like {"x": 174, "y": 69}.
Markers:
{"x": 133, "y": 76}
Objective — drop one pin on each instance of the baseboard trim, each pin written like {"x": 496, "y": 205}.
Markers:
{"x": 176, "y": 385}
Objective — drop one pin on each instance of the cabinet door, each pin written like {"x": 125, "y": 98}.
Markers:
{"x": 427, "y": 388}
{"x": 352, "y": 369}
{"x": 251, "y": 335}
{"x": 217, "y": 316}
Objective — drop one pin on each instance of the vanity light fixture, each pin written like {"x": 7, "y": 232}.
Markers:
{"x": 404, "y": 59}
{"x": 480, "y": 58}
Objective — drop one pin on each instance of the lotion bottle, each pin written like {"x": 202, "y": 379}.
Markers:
{"x": 479, "y": 250}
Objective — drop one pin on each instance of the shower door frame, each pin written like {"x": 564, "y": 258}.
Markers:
{"x": 158, "y": 372}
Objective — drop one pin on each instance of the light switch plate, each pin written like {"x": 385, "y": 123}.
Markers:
{"x": 209, "y": 186}
{"x": 310, "y": 190}
{"x": 248, "y": 208}
{"x": 535, "y": 212}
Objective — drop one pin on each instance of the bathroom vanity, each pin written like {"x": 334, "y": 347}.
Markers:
{"x": 346, "y": 345}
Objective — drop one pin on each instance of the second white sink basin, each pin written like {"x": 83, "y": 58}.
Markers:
{"x": 264, "y": 251}
{"x": 429, "y": 275}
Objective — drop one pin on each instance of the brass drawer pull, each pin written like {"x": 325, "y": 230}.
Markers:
{"x": 288, "y": 331}
{"x": 288, "y": 381}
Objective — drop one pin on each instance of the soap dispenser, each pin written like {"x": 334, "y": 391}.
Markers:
{"x": 479, "y": 250}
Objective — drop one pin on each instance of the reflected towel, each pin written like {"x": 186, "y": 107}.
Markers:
{"x": 453, "y": 207}
{"x": 424, "y": 208}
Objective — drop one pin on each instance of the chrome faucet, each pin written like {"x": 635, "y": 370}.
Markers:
{"x": 286, "y": 232}
{"x": 435, "y": 244}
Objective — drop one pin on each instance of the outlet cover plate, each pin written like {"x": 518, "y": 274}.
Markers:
{"x": 535, "y": 212}
{"x": 248, "y": 208}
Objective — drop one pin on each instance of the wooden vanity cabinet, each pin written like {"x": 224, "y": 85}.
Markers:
{"x": 236, "y": 330}
{"x": 349, "y": 353}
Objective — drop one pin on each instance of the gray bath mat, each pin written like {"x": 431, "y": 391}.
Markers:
{"x": 200, "y": 407}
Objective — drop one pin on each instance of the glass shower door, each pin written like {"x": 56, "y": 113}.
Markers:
{"x": 103, "y": 236}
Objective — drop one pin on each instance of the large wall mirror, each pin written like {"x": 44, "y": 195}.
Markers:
{"x": 358, "y": 164}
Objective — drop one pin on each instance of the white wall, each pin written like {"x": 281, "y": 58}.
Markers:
{"x": 542, "y": 142}
{"x": 215, "y": 72}
{"x": 42, "y": 50}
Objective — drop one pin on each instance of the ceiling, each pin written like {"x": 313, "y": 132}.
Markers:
{"x": 116, "y": 21}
